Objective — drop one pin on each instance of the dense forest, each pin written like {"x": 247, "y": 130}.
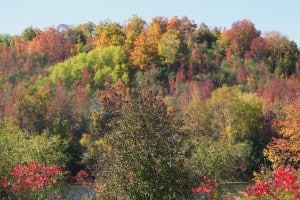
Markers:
{"x": 162, "y": 110}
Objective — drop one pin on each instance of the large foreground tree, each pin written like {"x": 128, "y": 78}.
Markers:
{"x": 145, "y": 159}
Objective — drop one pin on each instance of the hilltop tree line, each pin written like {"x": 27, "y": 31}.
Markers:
{"x": 148, "y": 109}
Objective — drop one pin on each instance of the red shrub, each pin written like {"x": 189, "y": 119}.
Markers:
{"x": 284, "y": 184}
{"x": 30, "y": 177}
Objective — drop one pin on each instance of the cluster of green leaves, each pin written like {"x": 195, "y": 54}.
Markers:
{"x": 226, "y": 131}
{"x": 18, "y": 147}
{"x": 106, "y": 65}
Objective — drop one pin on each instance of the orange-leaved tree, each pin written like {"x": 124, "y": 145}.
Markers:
{"x": 286, "y": 148}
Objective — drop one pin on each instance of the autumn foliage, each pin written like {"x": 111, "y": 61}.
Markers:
{"x": 285, "y": 148}
{"x": 209, "y": 188}
{"x": 217, "y": 102}
{"x": 284, "y": 185}
{"x": 32, "y": 177}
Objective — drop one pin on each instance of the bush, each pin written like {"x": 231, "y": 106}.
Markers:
{"x": 284, "y": 184}
{"x": 30, "y": 181}
{"x": 17, "y": 147}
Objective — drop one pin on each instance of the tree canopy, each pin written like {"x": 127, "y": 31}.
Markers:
{"x": 149, "y": 108}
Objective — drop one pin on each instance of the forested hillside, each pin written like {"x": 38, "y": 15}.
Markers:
{"x": 168, "y": 109}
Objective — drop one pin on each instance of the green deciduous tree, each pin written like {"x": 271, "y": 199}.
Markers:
{"x": 145, "y": 160}
{"x": 219, "y": 159}
{"x": 169, "y": 47}
{"x": 17, "y": 147}
{"x": 105, "y": 65}
{"x": 232, "y": 120}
